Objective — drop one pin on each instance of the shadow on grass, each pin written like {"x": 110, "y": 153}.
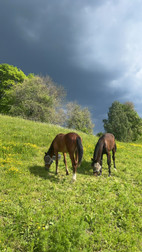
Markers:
{"x": 42, "y": 173}
{"x": 85, "y": 168}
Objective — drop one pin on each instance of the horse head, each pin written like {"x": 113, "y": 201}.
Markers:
{"x": 96, "y": 167}
{"x": 48, "y": 160}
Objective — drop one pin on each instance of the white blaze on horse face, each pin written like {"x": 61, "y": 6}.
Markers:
{"x": 97, "y": 167}
{"x": 74, "y": 177}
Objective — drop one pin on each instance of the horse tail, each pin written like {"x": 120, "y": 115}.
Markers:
{"x": 79, "y": 149}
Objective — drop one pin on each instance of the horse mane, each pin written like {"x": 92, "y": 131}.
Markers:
{"x": 98, "y": 149}
{"x": 51, "y": 149}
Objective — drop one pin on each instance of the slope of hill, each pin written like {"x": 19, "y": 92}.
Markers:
{"x": 41, "y": 211}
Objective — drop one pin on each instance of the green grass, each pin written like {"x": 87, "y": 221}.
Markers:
{"x": 41, "y": 211}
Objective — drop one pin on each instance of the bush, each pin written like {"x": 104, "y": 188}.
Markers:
{"x": 35, "y": 100}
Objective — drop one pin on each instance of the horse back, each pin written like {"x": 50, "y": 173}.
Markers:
{"x": 65, "y": 142}
{"x": 109, "y": 141}
{"x": 59, "y": 143}
{"x": 71, "y": 141}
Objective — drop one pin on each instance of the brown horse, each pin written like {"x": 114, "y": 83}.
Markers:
{"x": 105, "y": 144}
{"x": 66, "y": 143}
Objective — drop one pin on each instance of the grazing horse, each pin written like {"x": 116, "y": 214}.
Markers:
{"x": 66, "y": 143}
{"x": 105, "y": 144}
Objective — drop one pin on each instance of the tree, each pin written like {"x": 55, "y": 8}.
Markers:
{"x": 123, "y": 122}
{"x": 78, "y": 118}
{"x": 39, "y": 98}
{"x": 117, "y": 122}
{"x": 9, "y": 76}
{"x": 34, "y": 99}
{"x": 134, "y": 119}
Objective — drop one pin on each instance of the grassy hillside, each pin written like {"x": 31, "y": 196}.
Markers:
{"x": 41, "y": 211}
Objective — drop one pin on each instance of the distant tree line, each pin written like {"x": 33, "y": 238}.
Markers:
{"x": 39, "y": 98}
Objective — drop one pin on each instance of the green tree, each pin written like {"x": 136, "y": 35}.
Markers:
{"x": 36, "y": 98}
{"x": 78, "y": 118}
{"x": 123, "y": 122}
{"x": 9, "y": 77}
{"x": 134, "y": 120}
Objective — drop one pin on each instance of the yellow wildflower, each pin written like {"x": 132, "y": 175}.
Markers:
{"x": 13, "y": 169}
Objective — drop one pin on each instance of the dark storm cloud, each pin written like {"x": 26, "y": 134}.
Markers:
{"x": 90, "y": 47}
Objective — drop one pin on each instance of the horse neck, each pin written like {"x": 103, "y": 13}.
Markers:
{"x": 98, "y": 151}
{"x": 51, "y": 150}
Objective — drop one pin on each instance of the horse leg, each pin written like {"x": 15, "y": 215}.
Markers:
{"x": 56, "y": 154}
{"x": 101, "y": 163}
{"x": 76, "y": 156}
{"x": 109, "y": 163}
{"x": 74, "y": 165}
{"x": 65, "y": 162}
{"x": 113, "y": 157}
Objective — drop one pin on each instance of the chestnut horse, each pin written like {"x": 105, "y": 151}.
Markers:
{"x": 66, "y": 143}
{"x": 105, "y": 144}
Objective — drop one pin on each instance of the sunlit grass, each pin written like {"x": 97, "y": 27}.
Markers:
{"x": 41, "y": 211}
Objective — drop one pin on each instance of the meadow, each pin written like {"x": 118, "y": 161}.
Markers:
{"x": 41, "y": 211}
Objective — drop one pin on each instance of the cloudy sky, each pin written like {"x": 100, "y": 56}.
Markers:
{"x": 93, "y": 48}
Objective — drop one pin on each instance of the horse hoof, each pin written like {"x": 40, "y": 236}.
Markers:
{"x": 74, "y": 177}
